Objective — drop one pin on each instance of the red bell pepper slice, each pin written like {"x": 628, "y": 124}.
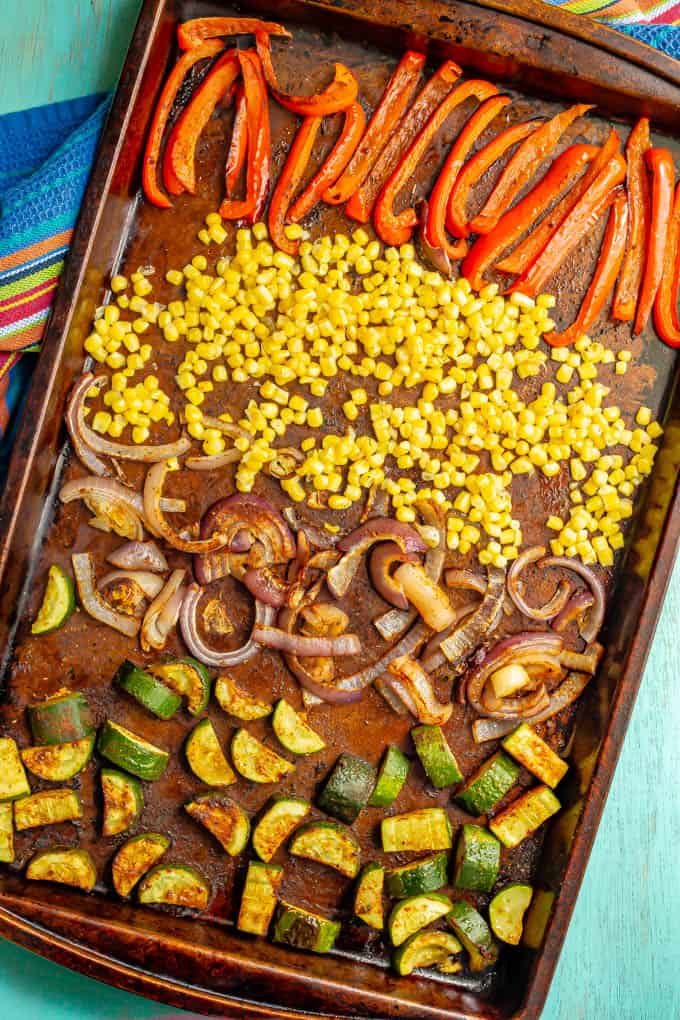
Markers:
{"x": 573, "y": 228}
{"x": 384, "y": 119}
{"x": 180, "y": 151}
{"x": 666, "y": 304}
{"x": 456, "y": 216}
{"x": 289, "y": 181}
{"x": 660, "y": 163}
{"x": 513, "y": 224}
{"x": 259, "y": 143}
{"x": 334, "y": 164}
{"x": 604, "y": 278}
{"x": 534, "y": 243}
{"x": 238, "y": 147}
{"x": 192, "y": 33}
{"x": 628, "y": 288}
{"x": 361, "y": 204}
{"x": 435, "y": 228}
{"x": 396, "y": 228}
{"x": 335, "y": 98}
{"x": 521, "y": 168}
{"x": 160, "y": 119}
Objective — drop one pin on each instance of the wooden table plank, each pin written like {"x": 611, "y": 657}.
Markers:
{"x": 622, "y": 956}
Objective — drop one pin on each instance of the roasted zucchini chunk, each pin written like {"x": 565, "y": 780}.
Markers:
{"x": 206, "y": 758}
{"x": 68, "y": 867}
{"x": 58, "y": 762}
{"x": 259, "y": 898}
{"x": 137, "y": 856}
{"x": 174, "y": 885}
{"x": 13, "y": 781}
{"x": 223, "y": 818}
{"x": 49, "y": 807}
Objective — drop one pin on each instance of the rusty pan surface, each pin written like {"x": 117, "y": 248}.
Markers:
{"x": 203, "y": 963}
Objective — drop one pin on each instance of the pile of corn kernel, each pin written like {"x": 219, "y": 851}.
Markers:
{"x": 448, "y": 425}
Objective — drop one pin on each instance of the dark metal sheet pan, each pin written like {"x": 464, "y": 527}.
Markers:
{"x": 542, "y": 53}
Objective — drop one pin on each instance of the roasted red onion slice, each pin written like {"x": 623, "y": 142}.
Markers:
{"x": 116, "y": 508}
{"x": 433, "y": 657}
{"x": 528, "y": 647}
{"x": 569, "y": 690}
{"x": 396, "y": 621}
{"x": 413, "y": 685}
{"x": 209, "y": 656}
{"x": 384, "y": 688}
{"x": 238, "y": 514}
{"x": 138, "y": 556}
{"x": 316, "y": 536}
{"x": 153, "y": 491}
{"x": 383, "y": 558}
{"x": 429, "y": 599}
{"x": 575, "y": 608}
{"x": 214, "y": 462}
{"x": 93, "y": 603}
{"x": 149, "y": 583}
{"x": 466, "y": 639}
{"x": 590, "y": 627}
{"x": 514, "y": 586}
{"x": 161, "y": 616}
{"x": 302, "y": 646}
{"x": 75, "y": 421}
{"x": 583, "y": 662}
{"x": 359, "y": 541}
{"x": 454, "y": 578}
{"x": 264, "y": 585}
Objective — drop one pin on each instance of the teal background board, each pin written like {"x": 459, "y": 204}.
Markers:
{"x": 621, "y": 960}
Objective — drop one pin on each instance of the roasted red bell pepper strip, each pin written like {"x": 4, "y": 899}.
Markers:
{"x": 160, "y": 119}
{"x": 259, "y": 144}
{"x": 180, "y": 150}
{"x": 435, "y": 228}
{"x": 522, "y": 166}
{"x": 192, "y": 33}
{"x": 604, "y": 278}
{"x": 238, "y": 147}
{"x": 384, "y": 119}
{"x": 573, "y": 228}
{"x": 513, "y": 224}
{"x": 532, "y": 245}
{"x": 660, "y": 164}
{"x": 628, "y": 287}
{"x": 289, "y": 181}
{"x": 456, "y": 216}
{"x": 396, "y": 228}
{"x": 335, "y": 98}
{"x": 666, "y": 303}
{"x": 433, "y": 92}
{"x": 336, "y": 161}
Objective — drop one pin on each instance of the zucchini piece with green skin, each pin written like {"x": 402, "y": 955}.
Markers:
{"x": 415, "y": 912}
{"x": 49, "y": 807}
{"x": 61, "y": 719}
{"x": 151, "y": 694}
{"x": 259, "y": 898}
{"x": 473, "y": 931}
{"x": 206, "y": 758}
{"x": 436, "y": 756}
{"x": 524, "y": 816}
{"x": 13, "y": 781}
{"x": 368, "y": 896}
{"x": 137, "y": 856}
{"x": 236, "y": 702}
{"x": 223, "y": 818}
{"x": 392, "y": 775}
{"x": 507, "y": 910}
{"x": 58, "y": 762}
{"x": 6, "y": 833}
{"x": 174, "y": 885}
{"x": 68, "y": 867}
{"x": 188, "y": 678}
{"x": 125, "y": 749}
{"x": 328, "y": 843}
{"x": 254, "y": 761}
{"x": 283, "y": 815}
{"x": 530, "y": 750}
{"x": 58, "y": 602}
{"x": 537, "y": 917}
{"x": 489, "y": 784}
{"x": 123, "y": 801}
{"x": 423, "y": 876}
{"x": 425, "y": 829}
{"x": 478, "y": 857}
{"x": 347, "y": 788}
{"x": 424, "y": 949}
{"x": 304, "y": 930}
{"x": 293, "y": 732}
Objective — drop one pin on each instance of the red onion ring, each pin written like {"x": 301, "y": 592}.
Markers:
{"x": 197, "y": 646}
{"x": 413, "y": 685}
{"x": 75, "y": 420}
{"x": 93, "y": 603}
{"x": 149, "y": 583}
{"x": 239, "y": 513}
{"x": 432, "y": 657}
{"x": 465, "y": 640}
{"x": 138, "y": 556}
{"x": 577, "y": 605}
{"x": 514, "y": 585}
{"x": 383, "y": 558}
{"x": 583, "y": 662}
{"x": 96, "y": 492}
{"x": 391, "y": 697}
{"x": 467, "y": 579}
{"x": 161, "y": 616}
{"x": 569, "y": 690}
{"x": 592, "y": 626}
{"x": 358, "y": 542}
{"x": 213, "y": 463}
{"x": 303, "y": 646}
{"x": 264, "y": 585}
{"x": 153, "y": 491}
{"x": 528, "y": 646}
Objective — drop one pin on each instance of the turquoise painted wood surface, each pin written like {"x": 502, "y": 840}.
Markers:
{"x": 622, "y": 956}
